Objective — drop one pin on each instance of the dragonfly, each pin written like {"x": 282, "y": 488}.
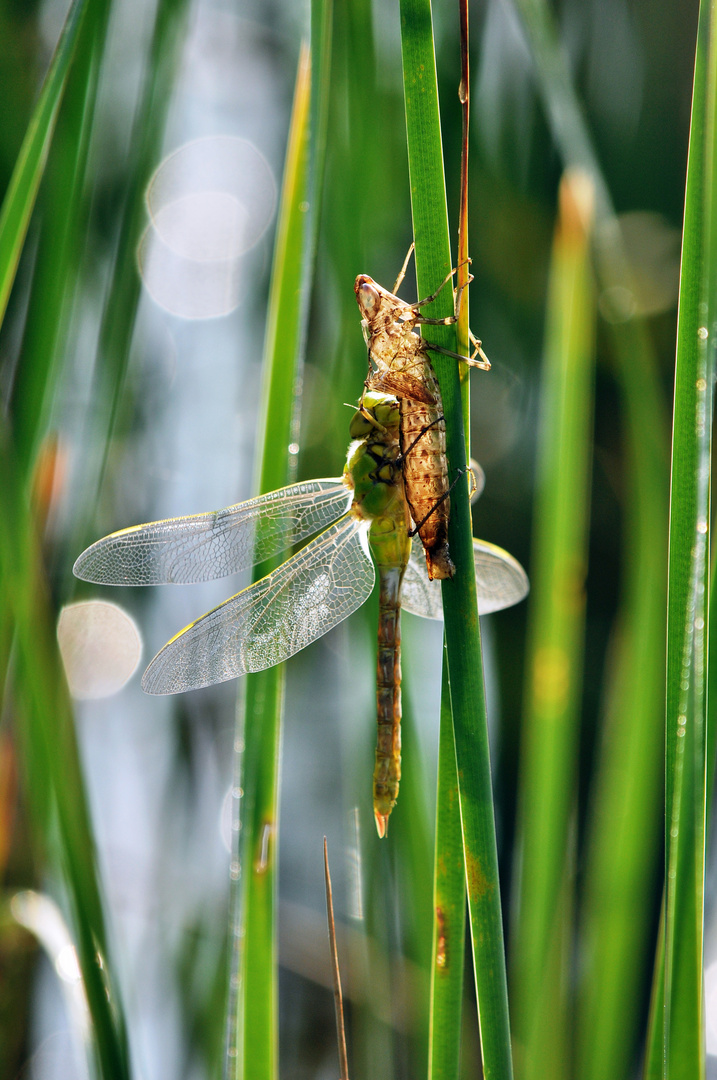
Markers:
{"x": 363, "y": 525}
{"x": 399, "y": 363}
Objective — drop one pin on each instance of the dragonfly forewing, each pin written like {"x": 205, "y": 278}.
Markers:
{"x": 500, "y": 582}
{"x": 202, "y": 547}
{"x": 271, "y": 620}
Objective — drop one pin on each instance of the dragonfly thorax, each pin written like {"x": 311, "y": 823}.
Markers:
{"x": 374, "y": 466}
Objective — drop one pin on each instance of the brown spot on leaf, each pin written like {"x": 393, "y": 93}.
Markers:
{"x": 441, "y": 944}
{"x": 478, "y": 884}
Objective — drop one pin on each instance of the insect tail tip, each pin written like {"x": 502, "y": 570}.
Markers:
{"x": 381, "y": 823}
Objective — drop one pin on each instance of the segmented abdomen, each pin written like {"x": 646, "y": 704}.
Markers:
{"x": 425, "y": 472}
{"x": 387, "y": 771}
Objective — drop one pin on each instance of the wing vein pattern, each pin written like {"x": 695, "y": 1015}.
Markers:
{"x": 271, "y": 620}
{"x": 202, "y": 547}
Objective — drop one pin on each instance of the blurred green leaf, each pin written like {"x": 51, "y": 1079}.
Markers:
{"x": 22, "y": 191}
{"x": 542, "y": 939}
{"x": 123, "y": 293}
{"x": 63, "y": 208}
{"x": 53, "y": 773}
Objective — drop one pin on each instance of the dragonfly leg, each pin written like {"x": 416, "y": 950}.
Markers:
{"x": 456, "y": 304}
{"x": 432, "y": 297}
{"x": 483, "y": 363}
{"x": 402, "y": 273}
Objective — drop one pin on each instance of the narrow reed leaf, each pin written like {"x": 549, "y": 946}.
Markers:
{"x": 287, "y": 297}
{"x": 118, "y": 317}
{"x": 55, "y": 276}
{"x": 688, "y": 580}
{"x": 711, "y": 740}
{"x": 22, "y": 190}
{"x": 449, "y": 886}
{"x": 252, "y": 1049}
{"x": 463, "y": 342}
{"x": 51, "y": 760}
{"x": 449, "y": 908}
{"x": 542, "y": 940}
{"x": 433, "y": 261}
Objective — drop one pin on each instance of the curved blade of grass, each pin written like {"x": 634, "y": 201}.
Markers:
{"x": 433, "y": 261}
{"x": 51, "y": 760}
{"x": 118, "y": 317}
{"x": 44, "y": 713}
{"x": 22, "y": 191}
{"x": 624, "y": 837}
{"x": 542, "y": 946}
{"x": 57, "y": 259}
{"x": 688, "y": 581}
{"x": 252, "y": 1049}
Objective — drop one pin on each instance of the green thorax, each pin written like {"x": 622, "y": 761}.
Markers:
{"x": 374, "y": 470}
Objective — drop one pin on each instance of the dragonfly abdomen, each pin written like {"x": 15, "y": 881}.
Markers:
{"x": 387, "y": 771}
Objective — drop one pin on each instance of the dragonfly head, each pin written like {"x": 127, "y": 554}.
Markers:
{"x": 377, "y": 412}
{"x": 368, "y": 296}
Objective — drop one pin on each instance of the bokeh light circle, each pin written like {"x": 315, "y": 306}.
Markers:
{"x": 100, "y": 647}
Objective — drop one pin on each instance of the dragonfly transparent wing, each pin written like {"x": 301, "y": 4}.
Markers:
{"x": 207, "y": 546}
{"x": 500, "y": 581}
{"x": 419, "y": 594}
{"x": 272, "y": 619}
{"x": 477, "y": 480}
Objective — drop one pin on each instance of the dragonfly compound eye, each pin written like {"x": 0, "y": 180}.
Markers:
{"x": 367, "y": 295}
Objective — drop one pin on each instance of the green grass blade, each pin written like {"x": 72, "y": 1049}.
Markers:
{"x": 58, "y": 256}
{"x": 253, "y": 1021}
{"x": 51, "y": 760}
{"x": 449, "y": 886}
{"x": 287, "y": 297}
{"x": 541, "y": 947}
{"x": 22, "y": 191}
{"x": 118, "y": 317}
{"x": 711, "y": 740}
{"x": 688, "y": 581}
{"x": 449, "y": 908}
{"x": 433, "y": 261}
